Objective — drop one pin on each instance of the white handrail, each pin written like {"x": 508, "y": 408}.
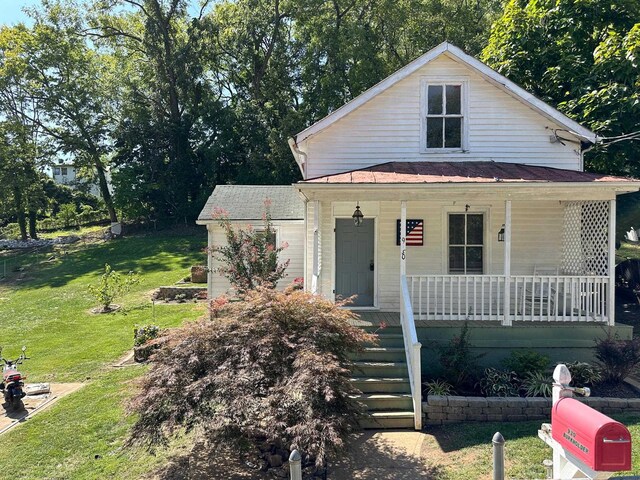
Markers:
{"x": 412, "y": 351}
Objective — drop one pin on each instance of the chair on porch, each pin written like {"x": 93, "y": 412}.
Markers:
{"x": 539, "y": 298}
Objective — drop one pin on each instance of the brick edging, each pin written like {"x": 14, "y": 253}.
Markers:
{"x": 440, "y": 409}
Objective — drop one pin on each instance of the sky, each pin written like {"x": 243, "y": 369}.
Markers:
{"x": 11, "y": 11}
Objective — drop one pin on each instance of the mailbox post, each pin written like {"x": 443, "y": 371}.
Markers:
{"x": 585, "y": 443}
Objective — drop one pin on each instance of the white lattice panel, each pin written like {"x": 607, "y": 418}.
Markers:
{"x": 586, "y": 238}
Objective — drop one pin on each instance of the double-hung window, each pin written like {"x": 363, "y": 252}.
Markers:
{"x": 444, "y": 116}
{"x": 466, "y": 243}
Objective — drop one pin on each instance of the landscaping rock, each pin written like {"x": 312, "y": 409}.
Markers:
{"x": 66, "y": 239}
{"x": 20, "y": 245}
{"x": 274, "y": 460}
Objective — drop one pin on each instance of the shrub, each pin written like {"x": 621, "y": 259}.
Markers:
{"x": 250, "y": 257}
{"x": 583, "y": 373}
{"x": 438, "y": 387}
{"x": 459, "y": 364}
{"x": 144, "y": 333}
{"x": 499, "y": 383}
{"x": 537, "y": 384}
{"x": 112, "y": 285}
{"x": 68, "y": 215}
{"x": 617, "y": 358}
{"x": 526, "y": 362}
{"x": 272, "y": 368}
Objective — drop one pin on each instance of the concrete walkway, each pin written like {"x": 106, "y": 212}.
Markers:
{"x": 385, "y": 455}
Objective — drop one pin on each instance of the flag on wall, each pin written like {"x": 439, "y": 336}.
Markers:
{"x": 415, "y": 230}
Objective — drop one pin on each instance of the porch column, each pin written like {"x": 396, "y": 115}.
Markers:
{"x": 506, "y": 320}
{"x": 315, "y": 278}
{"x": 403, "y": 237}
{"x": 611, "y": 301}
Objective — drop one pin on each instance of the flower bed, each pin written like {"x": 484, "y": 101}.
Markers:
{"x": 440, "y": 409}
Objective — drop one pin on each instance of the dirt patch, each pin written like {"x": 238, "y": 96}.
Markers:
{"x": 100, "y": 310}
{"x": 125, "y": 361}
{"x": 34, "y": 404}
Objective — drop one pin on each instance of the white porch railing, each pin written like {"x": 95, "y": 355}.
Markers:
{"x": 531, "y": 298}
{"x": 412, "y": 351}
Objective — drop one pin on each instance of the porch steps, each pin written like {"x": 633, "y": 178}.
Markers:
{"x": 380, "y": 373}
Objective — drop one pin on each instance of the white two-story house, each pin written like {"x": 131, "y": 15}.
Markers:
{"x": 447, "y": 193}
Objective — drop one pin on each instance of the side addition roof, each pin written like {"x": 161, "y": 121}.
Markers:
{"x": 247, "y": 202}
{"x": 456, "y": 53}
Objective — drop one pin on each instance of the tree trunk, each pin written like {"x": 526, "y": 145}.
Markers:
{"x": 104, "y": 188}
{"x": 32, "y": 225}
{"x": 22, "y": 220}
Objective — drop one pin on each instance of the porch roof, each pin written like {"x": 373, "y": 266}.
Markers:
{"x": 463, "y": 172}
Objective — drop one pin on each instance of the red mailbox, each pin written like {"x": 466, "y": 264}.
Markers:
{"x": 603, "y": 444}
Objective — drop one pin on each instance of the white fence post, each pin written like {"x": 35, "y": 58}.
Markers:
{"x": 295, "y": 465}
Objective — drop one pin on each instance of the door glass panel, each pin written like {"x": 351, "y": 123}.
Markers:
{"x": 475, "y": 229}
{"x": 434, "y": 132}
{"x": 434, "y": 101}
{"x": 474, "y": 259}
{"x": 456, "y": 229}
{"x": 453, "y": 132}
{"x": 453, "y": 99}
{"x": 456, "y": 259}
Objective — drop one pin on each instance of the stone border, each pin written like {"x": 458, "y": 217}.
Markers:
{"x": 170, "y": 292}
{"x": 441, "y": 410}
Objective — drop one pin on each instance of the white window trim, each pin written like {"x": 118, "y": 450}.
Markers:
{"x": 486, "y": 261}
{"x": 464, "y": 102}
{"x": 276, "y": 230}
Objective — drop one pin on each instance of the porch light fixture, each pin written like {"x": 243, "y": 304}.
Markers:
{"x": 501, "y": 234}
{"x": 357, "y": 216}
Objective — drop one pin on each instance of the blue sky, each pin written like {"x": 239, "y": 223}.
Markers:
{"x": 11, "y": 11}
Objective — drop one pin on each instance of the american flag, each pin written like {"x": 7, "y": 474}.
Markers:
{"x": 414, "y": 233}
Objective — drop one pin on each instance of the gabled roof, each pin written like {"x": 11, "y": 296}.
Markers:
{"x": 247, "y": 202}
{"x": 457, "y": 54}
{"x": 463, "y": 172}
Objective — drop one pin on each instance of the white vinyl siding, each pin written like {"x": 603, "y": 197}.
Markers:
{"x": 537, "y": 227}
{"x": 389, "y": 128}
{"x": 291, "y": 232}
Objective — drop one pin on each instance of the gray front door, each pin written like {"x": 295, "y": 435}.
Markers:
{"x": 354, "y": 261}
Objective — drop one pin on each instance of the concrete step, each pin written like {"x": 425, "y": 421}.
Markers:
{"x": 380, "y": 420}
{"x": 377, "y": 402}
{"x": 382, "y": 384}
{"x": 380, "y": 369}
{"x": 381, "y": 354}
{"x": 389, "y": 340}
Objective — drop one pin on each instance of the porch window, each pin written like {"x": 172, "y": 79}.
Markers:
{"x": 444, "y": 118}
{"x": 466, "y": 243}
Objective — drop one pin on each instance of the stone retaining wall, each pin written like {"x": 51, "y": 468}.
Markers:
{"x": 453, "y": 409}
{"x": 169, "y": 293}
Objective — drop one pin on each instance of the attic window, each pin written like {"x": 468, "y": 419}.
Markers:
{"x": 443, "y": 126}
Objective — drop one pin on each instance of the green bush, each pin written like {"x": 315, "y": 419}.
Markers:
{"x": 526, "y": 362}
{"x": 618, "y": 358}
{"x": 438, "y": 387}
{"x": 499, "y": 383}
{"x": 11, "y": 231}
{"x": 273, "y": 368}
{"x": 537, "y": 384}
{"x": 144, "y": 333}
{"x": 68, "y": 215}
{"x": 583, "y": 374}
{"x": 460, "y": 365}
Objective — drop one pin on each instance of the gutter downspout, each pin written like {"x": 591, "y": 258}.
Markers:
{"x": 298, "y": 154}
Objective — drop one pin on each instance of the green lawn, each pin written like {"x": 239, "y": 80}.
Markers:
{"x": 46, "y": 306}
{"x": 464, "y": 450}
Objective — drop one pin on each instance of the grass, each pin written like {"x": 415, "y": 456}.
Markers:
{"x": 48, "y": 309}
{"x": 45, "y": 305}
{"x": 464, "y": 450}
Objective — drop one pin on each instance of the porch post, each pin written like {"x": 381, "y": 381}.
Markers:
{"x": 506, "y": 319}
{"x": 611, "y": 301}
{"x": 315, "y": 279}
{"x": 403, "y": 238}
